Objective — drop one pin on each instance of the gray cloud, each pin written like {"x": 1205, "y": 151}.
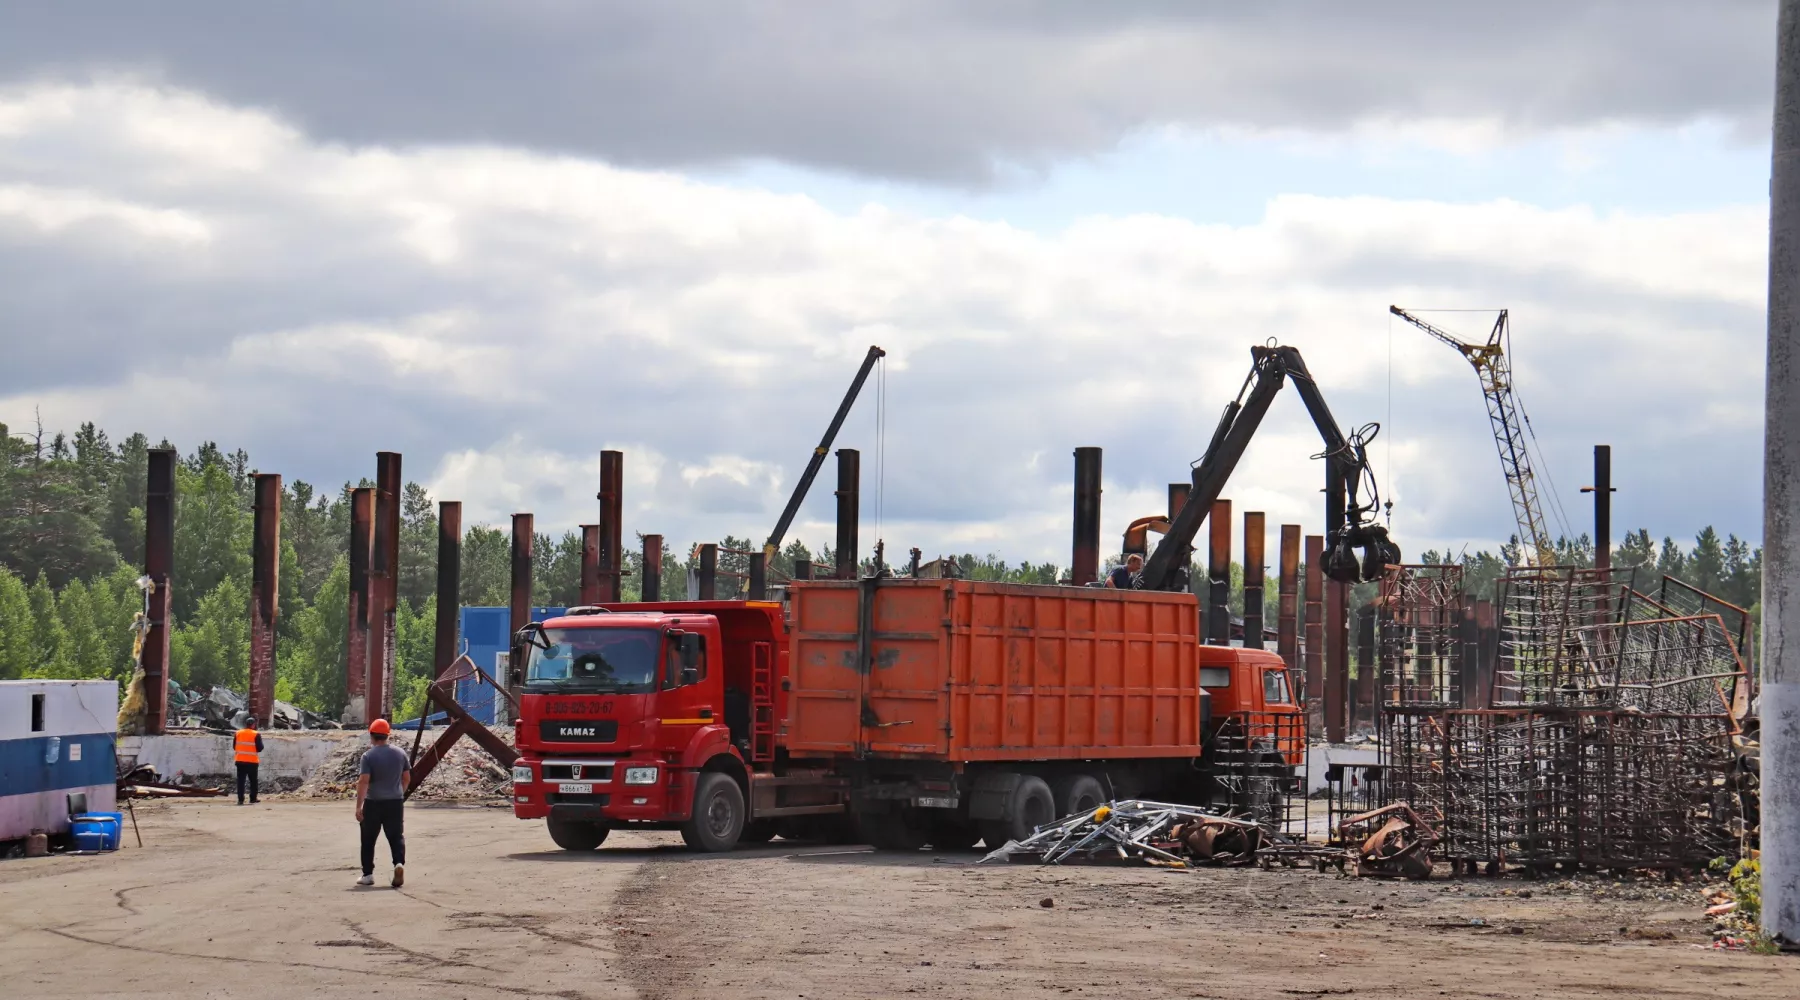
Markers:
{"x": 938, "y": 90}
{"x": 202, "y": 271}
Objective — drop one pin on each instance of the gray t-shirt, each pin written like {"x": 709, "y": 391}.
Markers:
{"x": 384, "y": 763}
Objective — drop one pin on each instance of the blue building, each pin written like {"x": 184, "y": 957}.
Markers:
{"x": 483, "y": 634}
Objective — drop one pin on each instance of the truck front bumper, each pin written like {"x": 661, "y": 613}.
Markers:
{"x": 607, "y": 800}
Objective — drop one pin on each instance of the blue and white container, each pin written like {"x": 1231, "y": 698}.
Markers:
{"x": 57, "y": 738}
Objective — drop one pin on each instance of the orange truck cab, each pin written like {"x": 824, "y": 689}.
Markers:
{"x": 899, "y": 712}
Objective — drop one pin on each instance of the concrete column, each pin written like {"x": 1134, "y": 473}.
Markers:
{"x": 1780, "y": 707}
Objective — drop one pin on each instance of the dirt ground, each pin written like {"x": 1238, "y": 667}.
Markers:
{"x": 258, "y": 902}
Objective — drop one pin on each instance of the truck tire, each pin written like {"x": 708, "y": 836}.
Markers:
{"x": 718, "y": 819}
{"x": 1079, "y": 793}
{"x": 574, "y": 835}
{"x": 1028, "y": 807}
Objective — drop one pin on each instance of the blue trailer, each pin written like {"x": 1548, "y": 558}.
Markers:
{"x": 57, "y": 738}
{"x": 484, "y": 637}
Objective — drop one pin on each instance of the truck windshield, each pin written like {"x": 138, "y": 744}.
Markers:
{"x": 600, "y": 660}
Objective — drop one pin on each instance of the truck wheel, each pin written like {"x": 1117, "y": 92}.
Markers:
{"x": 1079, "y": 793}
{"x": 1030, "y": 806}
{"x": 757, "y": 831}
{"x": 718, "y": 819}
{"x": 573, "y": 835}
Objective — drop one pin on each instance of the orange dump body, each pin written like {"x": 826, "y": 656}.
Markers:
{"x": 964, "y": 671}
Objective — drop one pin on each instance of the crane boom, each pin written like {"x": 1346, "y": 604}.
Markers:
{"x": 773, "y": 545}
{"x": 1507, "y": 422}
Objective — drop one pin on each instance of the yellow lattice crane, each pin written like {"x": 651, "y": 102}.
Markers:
{"x": 1508, "y": 423}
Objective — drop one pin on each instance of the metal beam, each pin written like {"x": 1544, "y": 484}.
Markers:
{"x": 590, "y": 564}
{"x": 449, "y": 586}
{"x": 384, "y": 583}
{"x": 159, "y": 566}
{"x": 650, "y": 584}
{"x": 849, "y": 475}
{"x": 612, "y": 539}
{"x": 356, "y": 640}
{"x": 1218, "y": 574}
{"x": 1287, "y": 620}
{"x": 265, "y": 595}
{"x": 519, "y": 604}
{"x": 1084, "y": 564}
{"x": 1253, "y": 579}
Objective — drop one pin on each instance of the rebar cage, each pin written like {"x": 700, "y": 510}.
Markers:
{"x": 1260, "y": 761}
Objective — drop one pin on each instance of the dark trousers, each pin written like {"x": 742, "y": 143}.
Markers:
{"x": 246, "y": 771}
{"x": 383, "y": 816}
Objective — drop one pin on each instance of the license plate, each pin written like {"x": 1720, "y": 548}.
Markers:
{"x": 576, "y": 788}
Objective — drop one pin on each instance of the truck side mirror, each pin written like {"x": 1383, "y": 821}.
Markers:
{"x": 690, "y": 653}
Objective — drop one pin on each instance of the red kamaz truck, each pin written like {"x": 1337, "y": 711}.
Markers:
{"x": 898, "y": 711}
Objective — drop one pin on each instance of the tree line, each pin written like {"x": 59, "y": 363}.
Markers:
{"x": 71, "y": 548}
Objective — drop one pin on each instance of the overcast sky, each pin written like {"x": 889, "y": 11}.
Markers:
{"x": 500, "y": 237}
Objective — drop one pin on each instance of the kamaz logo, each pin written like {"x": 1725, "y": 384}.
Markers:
{"x": 577, "y": 731}
{"x": 575, "y": 772}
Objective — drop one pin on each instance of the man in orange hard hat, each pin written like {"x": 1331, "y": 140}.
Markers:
{"x": 381, "y": 784}
{"x": 246, "y": 748}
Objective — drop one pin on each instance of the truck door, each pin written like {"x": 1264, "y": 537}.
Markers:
{"x": 869, "y": 666}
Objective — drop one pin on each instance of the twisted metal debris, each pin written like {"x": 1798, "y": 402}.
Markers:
{"x": 1140, "y": 830}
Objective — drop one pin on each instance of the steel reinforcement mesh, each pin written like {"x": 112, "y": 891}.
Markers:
{"x": 1419, "y": 636}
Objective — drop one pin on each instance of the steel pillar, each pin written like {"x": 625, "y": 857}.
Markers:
{"x": 1218, "y": 574}
{"x": 384, "y": 580}
{"x": 759, "y": 582}
{"x": 519, "y": 605}
{"x": 356, "y": 662}
{"x": 1253, "y": 579}
{"x": 1084, "y": 565}
{"x": 803, "y": 569}
{"x": 265, "y": 595}
{"x": 1313, "y": 654}
{"x": 159, "y": 566}
{"x": 590, "y": 564}
{"x": 612, "y": 507}
{"x": 1780, "y": 663}
{"x": 849, "y": 475}
{"x": 709, "y": 572}
{"x": 1287, "y": 614}
{"x": 650, "y": 585}
{"x": 449, "y": 586}
{"x": 1337, "y": 660}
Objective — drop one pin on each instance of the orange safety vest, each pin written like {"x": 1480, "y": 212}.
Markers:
{"x": 245, "y": 744}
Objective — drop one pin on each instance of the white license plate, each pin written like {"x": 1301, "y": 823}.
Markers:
{"x": 576, "y": 788}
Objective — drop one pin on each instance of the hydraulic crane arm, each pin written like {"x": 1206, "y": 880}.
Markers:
{"x": 773, "y": 545}
{"x": 1346, "y": 524}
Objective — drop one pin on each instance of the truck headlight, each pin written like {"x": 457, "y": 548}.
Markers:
{"x": 640, "y": 776}
{"x": 521, "y": 774}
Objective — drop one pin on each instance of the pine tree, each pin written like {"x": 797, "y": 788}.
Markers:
{"x": 212, "y": 535}
{"x": 486, "y": 567}
{"x": 18, "y": 628}
{"x": 418, "y": 545}
{"x": 1706, "y": 564}
{"x": 312, "y": 666}
{"x": 214, "y": 647}
{"x": 1670, "y": 561}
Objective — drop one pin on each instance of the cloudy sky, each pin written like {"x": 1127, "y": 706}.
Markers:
{"x": 501, "y": 237}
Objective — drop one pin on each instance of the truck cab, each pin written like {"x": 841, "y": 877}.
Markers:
{"x": 1250, "y": 694}
{"x": 647, "y": 715}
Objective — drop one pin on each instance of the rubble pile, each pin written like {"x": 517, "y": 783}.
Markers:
{"x": 1157, "y": 833}
{"x": 223, "y": 710}
{"x": 466, "y": 774}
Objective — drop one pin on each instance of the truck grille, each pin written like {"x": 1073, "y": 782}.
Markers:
{"x": 589, "y": 772}
{"x": 558, "y": 798}
{"x": 578, "y": 730}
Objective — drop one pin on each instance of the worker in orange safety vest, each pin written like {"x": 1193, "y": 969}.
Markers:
{"x": 247, "y": 746}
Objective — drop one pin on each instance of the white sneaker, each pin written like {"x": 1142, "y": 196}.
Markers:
{"x": 399, "y": 876}
{"x": 366, "y": 880}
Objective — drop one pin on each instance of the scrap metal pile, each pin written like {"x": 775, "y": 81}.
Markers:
{"x": 223, "y": 710}
{"x": 1159, "y": 833}
{"x": 1605, "y": 739}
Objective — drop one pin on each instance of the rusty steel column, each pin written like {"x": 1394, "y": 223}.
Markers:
{"x": 449, "y": 586}
{"x": 356, "y": 663}
{"x": 1337, "y": 661}
{"x": 1365, "y": 683}
{"x": 650, "y": 586}
{"x": 1603, "y": 491}
{"x": 803, "y": 569}
{"x": 159, "y": 566}
{"x": 612, "y": 539}
{"x": 590, "y": 564}
{"x": 1287, "y": 614}
{"x": 384, "y": 580}
{"x": 1178, "y": 495}
{"x": 1218, "y": 574}
{"x": 1084, "y": 565}
{"x": 520, "y": 607}
{"x": 1313, "y": 654}
{"x": 849, "y": 475}
{"x": 759, "y": 582}
{"x": 1253, "y": 579}
{"x": 265, "y": 595}
{"x": 709, "y": 571}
